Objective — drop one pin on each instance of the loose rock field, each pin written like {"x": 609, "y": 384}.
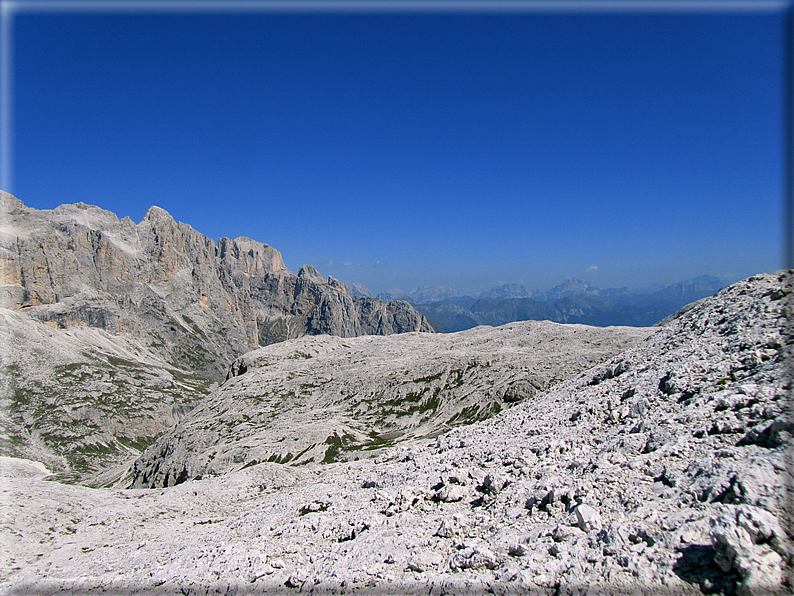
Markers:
{"x": 660, "y": 471}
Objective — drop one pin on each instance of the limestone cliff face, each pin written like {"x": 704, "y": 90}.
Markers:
{"x": 197, "y": 303}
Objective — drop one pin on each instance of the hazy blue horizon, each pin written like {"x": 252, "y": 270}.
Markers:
{"x": 472, "y": 291}
{"x": 407, "y": 150}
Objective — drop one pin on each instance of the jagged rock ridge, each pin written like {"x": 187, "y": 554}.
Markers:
{"x": 196, "y": 303}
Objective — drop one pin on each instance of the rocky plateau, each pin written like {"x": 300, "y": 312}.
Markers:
{"x": 327, "y": 398}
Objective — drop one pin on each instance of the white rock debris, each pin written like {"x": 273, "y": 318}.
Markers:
{"x": 660, "y": 471}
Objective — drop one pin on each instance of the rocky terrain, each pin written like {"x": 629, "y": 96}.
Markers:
{"x": 195, "y": 303}
{"x": 324, "y": 399}
{"x": 660, "y": 471}
{"x": 112, "y": 331}
{"x": 83, "y": 400}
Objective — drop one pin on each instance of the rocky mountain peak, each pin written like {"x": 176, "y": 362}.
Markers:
{"x": 170, "y": 286}
{"x": 257, "y": 258}
{"x": 570, "y": 287}
{"x": 155, "y": 213}
{"x": 357, "y": 289}
{"x": 513, "y": 290}
{"x": 338, "y": 285}
{"x": 309, "y": 272}
{"x": 9, "y": 203}
{"x": 434, "y": 294}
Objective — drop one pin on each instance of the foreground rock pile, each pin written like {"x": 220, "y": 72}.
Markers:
{"x": 662, "y": 471}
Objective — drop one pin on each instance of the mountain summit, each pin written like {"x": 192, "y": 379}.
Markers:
{"x": 197, "y": 303}
{"x": 111, "y": 331}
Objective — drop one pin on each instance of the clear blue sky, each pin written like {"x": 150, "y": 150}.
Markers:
{"x": 406, "y": 150}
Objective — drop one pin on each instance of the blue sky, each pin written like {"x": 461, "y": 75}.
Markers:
{"x": 407, "y": 149}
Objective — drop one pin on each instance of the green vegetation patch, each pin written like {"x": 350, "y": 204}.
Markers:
{"x": 280, "y": 459}
{"x": 193, "y": 326}
{"x": 137, "y": 443}
{"x": 337, "y": 444}
{"x": 429, "y": 379}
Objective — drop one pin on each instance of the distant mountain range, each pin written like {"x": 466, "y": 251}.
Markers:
{"x": 572, "y": 301}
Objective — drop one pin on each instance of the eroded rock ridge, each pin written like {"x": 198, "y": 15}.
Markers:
{"x": 197, "y": 303}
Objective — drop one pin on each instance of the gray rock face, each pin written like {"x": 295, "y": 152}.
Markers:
{"x": 310, "y": 272}
{"x": 197, "y": 304}
{"x": 660, "y": 471}
{"x": 325, "y": 399}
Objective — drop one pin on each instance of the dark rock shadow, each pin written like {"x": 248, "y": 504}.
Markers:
{"x": 696, "y": 566}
